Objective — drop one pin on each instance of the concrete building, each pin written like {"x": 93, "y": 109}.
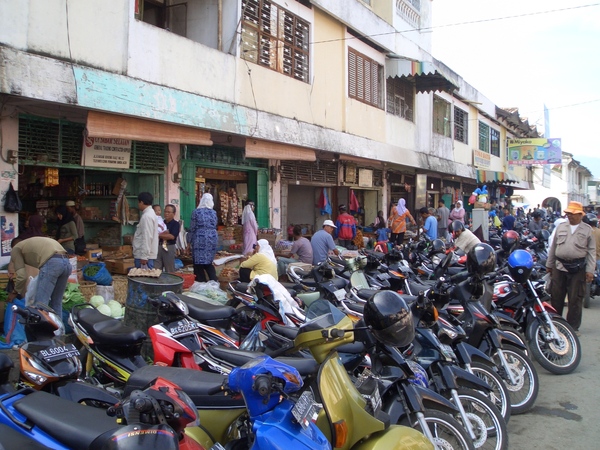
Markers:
{"x": 280, "y": 102}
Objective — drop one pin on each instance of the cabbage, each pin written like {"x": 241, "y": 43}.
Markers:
{"x": 115, "y": 308}
{"x": 96, "y": 300}
{"x": 104, "y": 309}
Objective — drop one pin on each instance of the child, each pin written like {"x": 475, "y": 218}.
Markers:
{"x": 381, "y": 236}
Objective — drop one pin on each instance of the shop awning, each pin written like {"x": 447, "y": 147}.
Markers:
{"x": 257, "y": 148}
{"x": 427, "y": 76}
{"x": 489, "y": 176}
{"x": 123, "y": 127}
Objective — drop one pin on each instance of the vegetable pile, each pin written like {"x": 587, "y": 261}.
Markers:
{"x": 112, "y": 308}
{"x": 72, "y": 296}
{"x": 91, "y": 271}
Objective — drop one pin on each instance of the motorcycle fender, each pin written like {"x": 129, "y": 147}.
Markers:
{"x": 420, "y": 399}
{"x": 510, "y": 339}
{"x": 78, "y": 392}
{"x": 468, "y": 380}
{"x": 505, "y": 319}
{"x": 472, "y": 353}
{"x": 396, "y": 437}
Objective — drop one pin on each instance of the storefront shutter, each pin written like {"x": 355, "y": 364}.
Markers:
{"x": 187, "y": 197}
{"x": 262, "y": 198}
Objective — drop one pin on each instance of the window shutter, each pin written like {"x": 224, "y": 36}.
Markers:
{"x": 360, "y": 77}
{"x": 351, "y": 74}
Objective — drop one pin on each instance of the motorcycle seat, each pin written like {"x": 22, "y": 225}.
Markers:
{"x": 288, "y": 332}
{"x": 196, "y": 383}
{"x": 70, "y": 423}
{"x": 366, "y": 294}
{"x": 356, "y": 307}
{"x": 106, "y": 330}
{"x": 203, "y": 311}
{"x": 11, "y": 438}
{"x": 237, "y": 357}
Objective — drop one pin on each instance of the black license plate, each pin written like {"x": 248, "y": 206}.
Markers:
{"x": 183, "y": 327}
{"x": 59, "y": 352}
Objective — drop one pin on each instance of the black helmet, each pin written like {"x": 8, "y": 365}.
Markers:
{"x": 518, "y": 226}
{"x": 457, "y": 225}
{"x": 481, "y": 259}
{"x": 591, "y": 219}
{"x": 543, "y": 235}
{"x": 437, "y": 246}
{"x": 390, "y": 319}
{"x": 510, "y": 241}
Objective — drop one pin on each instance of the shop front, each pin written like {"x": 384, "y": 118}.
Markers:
{"x": 401, "y": 185}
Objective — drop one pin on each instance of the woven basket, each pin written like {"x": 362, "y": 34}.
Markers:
{"x": 87, "y": 288}
{"x": 120, "y": 287}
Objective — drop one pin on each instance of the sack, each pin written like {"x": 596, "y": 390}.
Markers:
{"x": 102, "y": 276}
{"x": 573, "y": 266}
{"x": 79, "y": 246}
{"x": 12, "y": 202}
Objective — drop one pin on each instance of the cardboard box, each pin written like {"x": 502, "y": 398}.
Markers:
{"x": 272, "y": 239}
{"x": 481, "y": 205}
{"x": 119, "y": 266}
{"x": 117, "y": 251}
{"x": 92, "y": 246}
{"x": 93, "y": 255}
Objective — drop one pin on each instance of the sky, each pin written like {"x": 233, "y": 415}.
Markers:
{"x": 545, "y": 58}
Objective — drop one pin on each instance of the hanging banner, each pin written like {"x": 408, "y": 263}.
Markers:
{"x": 7, "y": 235}
{"x": 112, "y": 153}
{"x": 534, "y": 151}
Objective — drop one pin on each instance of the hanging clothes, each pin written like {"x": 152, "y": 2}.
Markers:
{"x": 324, "y": 204}
{"x": 354, "y": 205}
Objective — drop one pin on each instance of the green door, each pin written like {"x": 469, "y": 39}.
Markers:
{"x": 258, "y": 190}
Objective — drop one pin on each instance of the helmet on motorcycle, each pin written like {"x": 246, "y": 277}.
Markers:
{"x": 481, "y": 259}
{"x": 455, "y": 228}
{"x": 437, "y": 246}
{"x": 520, "y": 265}
{"x": 390, "y": 319}
{"x": 591, "y": 220}
{"x": 518, "y": 226}
{"x": 543, "y": 235}
{"x": 510, "y": 241}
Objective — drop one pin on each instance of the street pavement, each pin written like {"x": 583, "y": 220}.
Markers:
{"x": 565, "y": 415}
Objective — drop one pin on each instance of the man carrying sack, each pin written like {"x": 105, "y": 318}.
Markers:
{"x": 571, "y": 263}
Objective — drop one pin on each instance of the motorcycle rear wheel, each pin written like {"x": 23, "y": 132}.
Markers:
{"x": 499, "y": 395}
{"x": 495, "y": 434}
{"x": 558, "y": 358}
{"x": 448, "y": 433}
{"x": 523, "y": 393}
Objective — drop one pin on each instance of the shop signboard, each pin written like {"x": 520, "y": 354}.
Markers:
{"x": 534, "y": 151}
{"x": 481, "y": 160}
{"x": 111, "y": 153}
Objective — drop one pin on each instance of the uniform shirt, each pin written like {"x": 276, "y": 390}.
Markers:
{"x": 303, "y": 249}
{"x": 34, "y": 252}
{"x": 321, "y": 243}
{"x": 260, "y": 264}
{"x": 145, "y": 239}
{"x": 570, "y": 245}
{"x": 596, "y": 233}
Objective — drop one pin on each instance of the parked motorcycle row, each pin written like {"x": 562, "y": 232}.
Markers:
{"x": 418, "y": 348}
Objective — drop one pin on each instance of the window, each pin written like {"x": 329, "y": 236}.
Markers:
{"x": 409, "y": 10}
{"x": 275, "y": 38}
{"x": 441, "y": 116}
{"x": 484, "y": 137}
{"x": 461, "y": 125}
{"x": 365, "y": 79}
{"x": 495, "y": 142}
{"x": 163, "y": 14}
{"x": 400, "y": 98}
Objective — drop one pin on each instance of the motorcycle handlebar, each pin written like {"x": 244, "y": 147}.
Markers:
{"x": 25, "y": 313}
{"x": 262, "y": 384}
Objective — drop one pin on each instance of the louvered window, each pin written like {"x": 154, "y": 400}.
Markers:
{"x": 54, "y": 142}
{"x": 400, "y": 98}
{"x": 365, "y": 79}
{"x": 461, "y": 122}
{"x": 495, "y": 142}
{"x": 484, "y": 137}
{"x": 316, "y": 172}
{"x": 275, "y": 38}
{"x": 441, "y": 116}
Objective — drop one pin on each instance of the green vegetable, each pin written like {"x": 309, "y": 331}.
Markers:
{"x": 115, "y": 308}
{"x": 96, "y": 300}
{"x": 91, "y": 271}
{"x": 72, "y": 296}
{"x": 104, "y": 309}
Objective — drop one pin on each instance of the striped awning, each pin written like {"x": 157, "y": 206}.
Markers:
{"x": 428, "y": 76}
{"x": 489, "y": 176}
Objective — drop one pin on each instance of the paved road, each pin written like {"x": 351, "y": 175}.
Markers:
{"x": 566, "y": 414}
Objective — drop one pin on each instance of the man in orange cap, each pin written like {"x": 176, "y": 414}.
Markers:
{"x": 571, "y": 262}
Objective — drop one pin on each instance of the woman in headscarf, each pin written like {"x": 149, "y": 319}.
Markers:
{"x": 262, "y": 261}
{"x": 203, "y": 237}
{"x": 67, "y": 230}
{"x": 397, "y": 221}
{"x": 458, "y": 213}
{"x": 250, "y": 228}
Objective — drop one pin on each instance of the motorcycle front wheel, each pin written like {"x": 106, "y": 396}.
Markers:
{"x": 499, "y": 395}
{"x": 523, "y": 391}
{"x": 488, "y": 425}
{"x": 447, "y": 432}
{"x": 559, "y": 356}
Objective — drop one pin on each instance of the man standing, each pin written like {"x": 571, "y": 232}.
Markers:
{"x": 508, "y": 221}
{"x": 571, "y": 262}
{"x": 80, "y": 241}
{"x": 51, "y": 258}
{"x": 165, "y": 257}
{"x": 535, "y": 224}
{"x": 145, "y": 239}
{"x": 443, "y": 214}
{"x": 322, "y": 243}
{"x": 345, "y": 227}
{"x": 301, "y": 248}
{"x": 430, "y": 225}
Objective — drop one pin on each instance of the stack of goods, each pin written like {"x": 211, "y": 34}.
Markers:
{"x": 224, "y": 204}
{"x": 91, "y": 213}
{"x": 153, "y": 273}
{"x": 109, "y": 236}
{"x": 283, "y": 246}
{"x": 228, "y": 238}
{"x": 272, "y": 235}
{"x": 233, "y": 212}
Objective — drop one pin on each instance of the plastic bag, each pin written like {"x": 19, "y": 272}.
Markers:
{"x": 497, "y": 222}
{"x": 102, "y": 277}
{"x": 31, "y": 291}
{"x": 107, "y": 292}
{"x": 211, "y": 289}
{"x": 14, "y": 332}
{"x": 252, "y": 341}
{"x": 12, "y": 202}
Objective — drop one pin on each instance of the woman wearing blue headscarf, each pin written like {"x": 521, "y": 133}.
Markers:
{"x": 203, "y": 238}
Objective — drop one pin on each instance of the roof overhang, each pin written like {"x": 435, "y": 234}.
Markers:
{"x": 501, "y": 178}
{"x": 427, "y": 76}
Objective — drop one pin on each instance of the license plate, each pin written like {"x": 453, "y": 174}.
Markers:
{"x": 340, "y": 294}
{"x": 59, "y": 352}
{"x": 306, "y": 409}
{"x": 375, "y": 400}
{"x": 183, "y": 327}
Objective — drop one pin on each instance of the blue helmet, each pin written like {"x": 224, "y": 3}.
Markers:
{"x": 520, "y": 264}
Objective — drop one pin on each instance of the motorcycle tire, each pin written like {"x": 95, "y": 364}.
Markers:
{"x": 561, "y": 358}
{"x": 524, "y": 391}
{"x": 447, "y": 432}
{"x": 499, "y": 395}
{"x": 489, "y": 427}
{"x": 518, "y": 335}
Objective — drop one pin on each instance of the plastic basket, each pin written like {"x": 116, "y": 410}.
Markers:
{"x": 88, "y": 289}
